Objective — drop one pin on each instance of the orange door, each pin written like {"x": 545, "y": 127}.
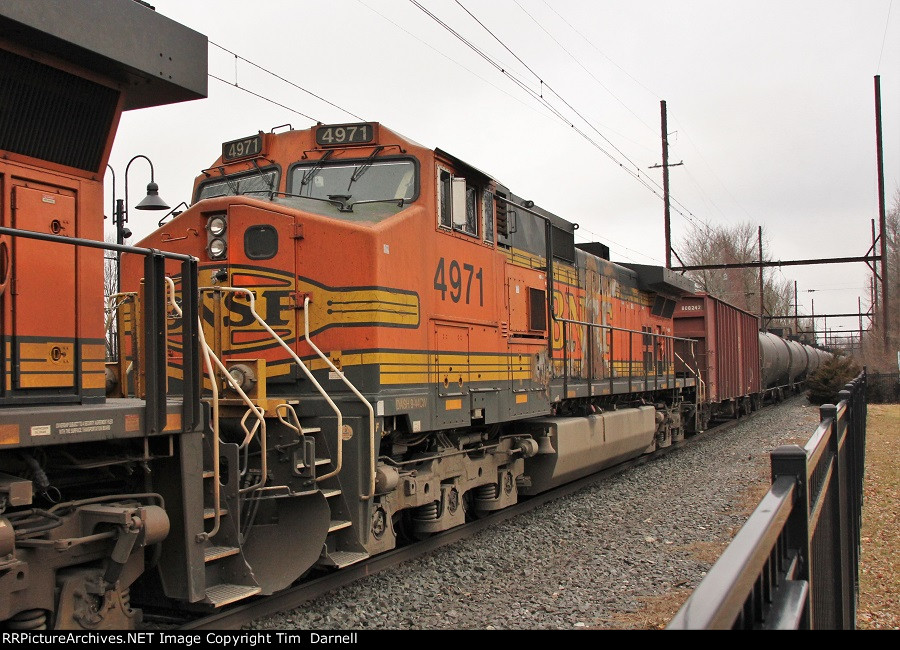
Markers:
{"x": 43, "y": 292}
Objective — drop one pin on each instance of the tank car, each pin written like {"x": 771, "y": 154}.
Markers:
{"x": 80, "y": 513}
{"x": 397, "y": 342}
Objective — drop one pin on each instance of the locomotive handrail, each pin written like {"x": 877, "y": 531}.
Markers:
{"x": 217, "y": 502}
{"x": 620, "y": 329}
{"x": 700, "y": 383}
{"x": 251, "y": 407}
{"x": 155, "y": 394}
{"x": 368, "y": 405}
{"x": 217, "y": 499}
{"x": 306, "y": 371}
{"x": 92, "y": 243}
{"x": 612, "y": 328}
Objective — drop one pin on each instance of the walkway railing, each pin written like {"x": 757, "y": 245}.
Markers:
{"x": 795, "y": 563}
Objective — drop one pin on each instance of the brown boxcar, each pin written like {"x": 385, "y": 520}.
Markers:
{"x": 726, "y": 353}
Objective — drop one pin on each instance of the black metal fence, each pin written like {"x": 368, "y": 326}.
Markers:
{"x": 794, "y": 564}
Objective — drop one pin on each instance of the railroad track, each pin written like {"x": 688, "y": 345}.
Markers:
{"x": 233, "y": 618}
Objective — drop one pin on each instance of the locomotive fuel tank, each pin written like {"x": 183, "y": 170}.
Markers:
{"x": 579, "y": 446}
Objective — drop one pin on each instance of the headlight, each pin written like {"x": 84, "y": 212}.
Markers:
{"x": 216, "y": 248}
{"x": 216, "y": 226}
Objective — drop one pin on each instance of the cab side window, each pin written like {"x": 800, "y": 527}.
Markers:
{"x": 470, "y": 227}
{"x": 445, "y": 217}
{"x": 487, "y": 211}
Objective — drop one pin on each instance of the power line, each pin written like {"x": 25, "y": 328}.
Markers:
{"x": 651, "y": 92}
{"x": 271, "y": 101}
{"x": 884, "y": 38}
{"x": 287, "y": 81}
{"x": 543, "y": 83}
{"x": 637, "y": 174}
{"x": 603, "y": 54}
{"x": 583, "y": 67}
{"x": 451, "y": 59}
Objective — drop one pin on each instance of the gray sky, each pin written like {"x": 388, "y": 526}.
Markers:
{"x": 770, "y": 106}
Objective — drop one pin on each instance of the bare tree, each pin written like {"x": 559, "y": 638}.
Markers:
{"x": 706, "y": 244}
{"x": 110, "y": 287}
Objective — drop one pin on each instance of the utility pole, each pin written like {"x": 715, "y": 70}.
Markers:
{"x": 874, "y": 272}
{"x": 796, "y": 307}
{"x": 665, "y": 167}
{"x": 885, "y": 310}
{"x": 859, "y": 303}
{"x": 813, "y": 310}
{"x": 761, "y": 304}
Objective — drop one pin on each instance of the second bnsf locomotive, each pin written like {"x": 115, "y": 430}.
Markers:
{"x": 396, "y": 343}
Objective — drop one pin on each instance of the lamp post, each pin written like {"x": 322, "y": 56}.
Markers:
{"x": 150, "y": 202}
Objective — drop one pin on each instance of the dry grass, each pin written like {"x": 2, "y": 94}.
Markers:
{"x": 879, "y": 589}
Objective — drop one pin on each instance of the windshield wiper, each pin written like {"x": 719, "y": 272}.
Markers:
{"x": 339, "y": 204}
{"x": 362, "y": 169}
{"x": 308, "y": 176}
{"x": 268, "y": 180}
{"x": 400, "y": 202}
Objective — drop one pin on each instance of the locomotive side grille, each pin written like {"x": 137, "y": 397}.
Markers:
{"x": 53, "y": 115}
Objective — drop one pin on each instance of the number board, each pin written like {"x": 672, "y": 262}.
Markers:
{"x": 339, "y": 134}
{"x": 243, "y": 148}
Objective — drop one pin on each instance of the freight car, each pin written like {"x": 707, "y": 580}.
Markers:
{"x": 739, "y": 367}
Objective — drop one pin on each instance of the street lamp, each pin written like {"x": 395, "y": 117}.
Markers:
{"x": 150, "y": 202}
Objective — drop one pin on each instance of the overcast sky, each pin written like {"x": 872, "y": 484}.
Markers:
{"x": 770, "y": 107}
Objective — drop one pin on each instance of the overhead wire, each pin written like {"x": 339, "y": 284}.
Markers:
{"x": 451, "y": 59}
{"x": 652, "y": 93}
{"x": 235, "y": 84}
{"x": 287, "y": 81}
{"x": 887, "y": 22}
{"x": 583, "y": 67}
{"x": 635, "y": 173}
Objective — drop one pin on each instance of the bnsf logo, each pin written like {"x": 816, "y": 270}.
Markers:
{"x": 273, "y": 292}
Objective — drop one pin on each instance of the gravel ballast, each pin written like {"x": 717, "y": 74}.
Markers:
{"x": 592, "y": 559}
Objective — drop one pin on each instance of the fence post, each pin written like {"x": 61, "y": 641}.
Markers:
{"x": 790, "y": 460}
{"x": 831, "y": 497}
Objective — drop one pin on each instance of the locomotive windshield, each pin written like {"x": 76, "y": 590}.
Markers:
{"x": 373, "y": 189}
{"x": 256, "y": 183}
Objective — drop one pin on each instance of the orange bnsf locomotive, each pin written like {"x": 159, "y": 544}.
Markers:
{"x": 396, "y": 342}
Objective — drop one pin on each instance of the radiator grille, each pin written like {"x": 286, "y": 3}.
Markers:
{"x": 53, "y": 115}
